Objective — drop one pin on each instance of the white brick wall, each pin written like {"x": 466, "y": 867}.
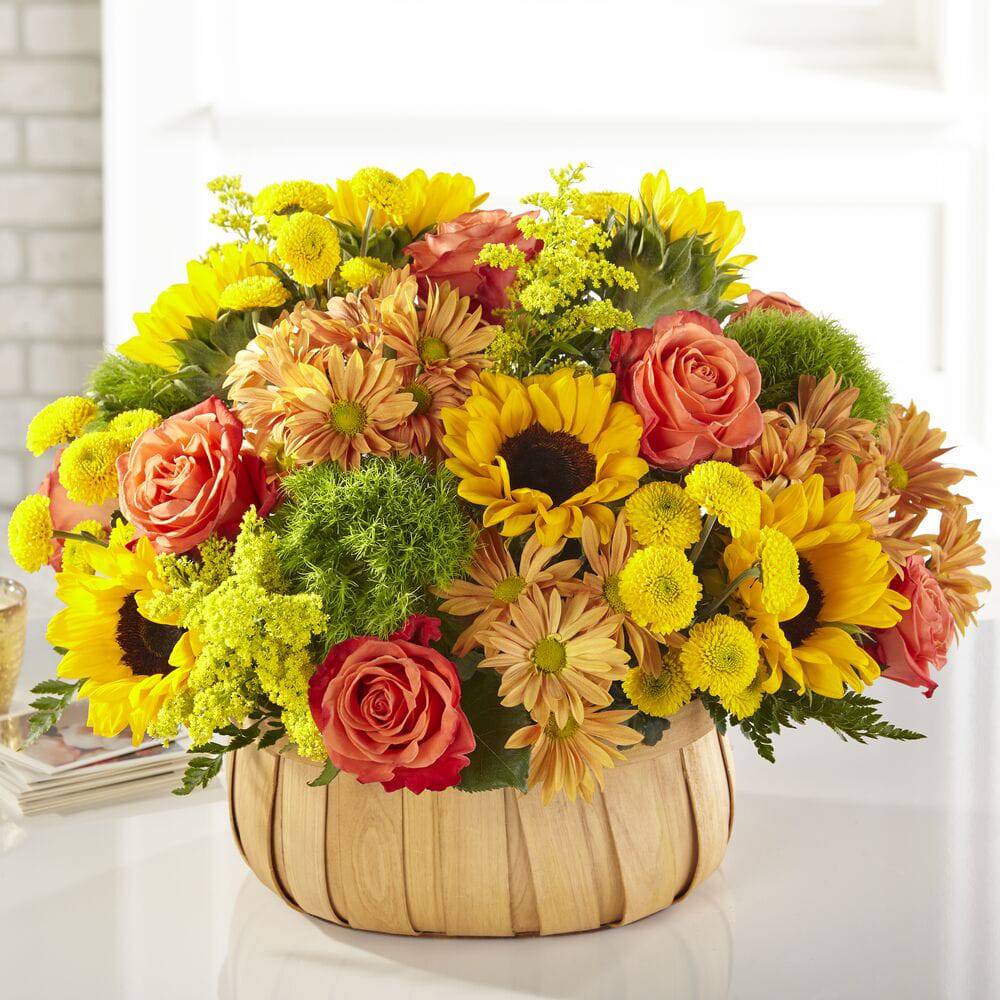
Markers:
{"x": 50, "y": 217}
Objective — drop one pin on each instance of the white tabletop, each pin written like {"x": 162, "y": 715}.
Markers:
{"x": 854, "y": 872}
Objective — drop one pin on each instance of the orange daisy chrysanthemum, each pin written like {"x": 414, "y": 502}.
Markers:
{"x": 356, "y": 320}
{"x": 444, "y": 335}
{"x": 954, "y": 551}
{"x": 606, "y": 561}
{"x": 572, "y": 758}
{"x": 422, "y": 432}
{"x": 911, "y": 449}
{"x": 496, "y": 583}
{"x": 343, "y": 409}
{"x": 556, "y": 656}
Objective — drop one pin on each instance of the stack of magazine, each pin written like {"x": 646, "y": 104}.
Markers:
{"x": 69, "y": 767}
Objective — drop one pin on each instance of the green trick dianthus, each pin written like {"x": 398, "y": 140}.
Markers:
{"x": 371, "y": 542}
{"x": 786, "y": 347}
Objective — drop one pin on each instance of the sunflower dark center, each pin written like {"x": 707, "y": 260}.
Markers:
{"x": 551, "y": 461}
{"x": 146, "y": 646}
{"x": 799, "y": 628}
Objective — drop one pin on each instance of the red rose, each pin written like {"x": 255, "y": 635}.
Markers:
{"x": 192, "y": 476}
{"x": 450, "y": 255}
{"x": 695, "y": 389}
{"x": 778, "y": 301}
{"x": 920, "y": 640}
{"x": 389, "y": 710}
{"x": 66, "y": 513}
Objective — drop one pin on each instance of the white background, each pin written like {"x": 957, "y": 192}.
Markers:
{"x": 857, "y": 136}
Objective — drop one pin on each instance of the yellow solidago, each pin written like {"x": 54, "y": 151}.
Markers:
{"x": 720, "y": 656}
{"x": 309, "y": 247}
{"x": 75, "y": 553}
{"x": 254, "y": 639}
{"x": 235, "y": 211}
{"x": 62, "y": 420}
{"x": 660, "y": 589}
{"x": 197, "y": 298}
{"x": 127, "y": 426}
{"x": 29, "y": 533}
{"x": 560, "y": 287}
{"x": 259, "y": 291}
{"x": 682, "y": 213}
{"x": 597, "y": 205}
{"x": 87, "y": 467}
{"x": 360, "y": 272}
{"x": 727, "y": 493}
{"x": 663, "y": 514}
{"x": 660, "y": 694}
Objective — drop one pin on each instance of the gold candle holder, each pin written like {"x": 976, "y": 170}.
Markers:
{"x": 13, "y": 627}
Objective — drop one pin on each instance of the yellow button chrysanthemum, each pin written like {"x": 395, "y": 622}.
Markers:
{"x": 309, "y": 247}
{"x": 663, "y": 514}
{"x": 661, "y": 695}
{"x": 259, "y": 291}
{"x": 277, "y": 201}
{"x": 29, "y": 533}
{"x": 727, "y": 493}
{"x": 62, "y": 420}
{"x": 87, "y": 467}
{"x": 660, "y": 588}
{"x": 127, "y": 426}
{"x": 381, "y": 190}
{"x": 360, "y": 272}
{"x": 720, "y": 656}
{"x": 75, "y": 553}
{"x": 779, "y": 570}
{"x": 744, "y": 703}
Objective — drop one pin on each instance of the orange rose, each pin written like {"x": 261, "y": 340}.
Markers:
{"x": 778, "y": 301}
{"x": 695, "y": 389}
{"x": 389, "y": 710}
{"x": 191, "y": 477}
{"x": 66, "y": 513}
{"x": 450, "y": 253}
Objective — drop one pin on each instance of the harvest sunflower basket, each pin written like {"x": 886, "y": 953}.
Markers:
{"x": 489, "y": 527}
{"x": 496, "y": 864}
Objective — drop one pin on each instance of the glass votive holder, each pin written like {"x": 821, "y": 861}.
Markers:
{"x": 13, "y": 628}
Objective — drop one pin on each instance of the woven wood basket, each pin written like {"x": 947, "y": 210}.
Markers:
{"x": 495, "y": 864}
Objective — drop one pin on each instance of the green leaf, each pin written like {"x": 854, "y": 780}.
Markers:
{"x": 56, "y": 696}
{"x": 329, "y": 772}
{"x": 651, "y": 727}
{"x": 491, "y": 764}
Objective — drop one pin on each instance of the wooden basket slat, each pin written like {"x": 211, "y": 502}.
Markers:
{"x": 497, "y": 863}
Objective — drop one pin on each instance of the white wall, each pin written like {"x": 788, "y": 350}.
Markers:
{"x": 51, "y": 306}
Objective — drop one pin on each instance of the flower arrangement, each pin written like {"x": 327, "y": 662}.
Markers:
{"x": 442, "y": 496}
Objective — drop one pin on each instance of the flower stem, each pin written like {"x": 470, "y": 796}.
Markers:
{"x": 82, "y": 536}
{"x": 706, "y": 530}
{"x": 366, "y": 231}
{"x": 750, "y": 573}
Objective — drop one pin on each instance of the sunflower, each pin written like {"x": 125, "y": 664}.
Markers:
{"x": 428, "y": 200}
{"x": 844, "y": 577}
{"x": 549, "y": 452}
{"x": 606, "y": 561}
{"x": 572, "y": 758}
{"x": 197, "y": 298}
{"x": 682, "y": 213}
{"x": 131, "y": 663}
{"x": 555, "y": 657}
{"x": 444, "y": 335}
{"x": 496, "y": 583}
